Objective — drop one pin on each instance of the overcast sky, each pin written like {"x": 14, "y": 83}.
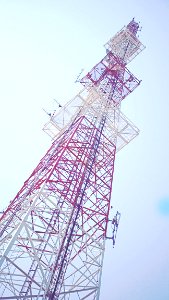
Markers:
{"x": 44, "y": 46}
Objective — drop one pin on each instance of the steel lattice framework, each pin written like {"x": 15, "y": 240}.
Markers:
{"x": 52, "y": 235}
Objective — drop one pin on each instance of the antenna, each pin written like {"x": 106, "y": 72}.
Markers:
{"x": 77, "y": 79}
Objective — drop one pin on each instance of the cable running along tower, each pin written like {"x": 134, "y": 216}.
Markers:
{"x": 53, "y": 233}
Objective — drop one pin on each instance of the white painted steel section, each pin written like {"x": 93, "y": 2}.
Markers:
{"x": 15, "y": 278}
{"x": 125, "y": 45}
{"x": 119, "y": 129}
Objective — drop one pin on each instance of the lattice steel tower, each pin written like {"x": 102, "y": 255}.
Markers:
{"x": 52, "y": 235}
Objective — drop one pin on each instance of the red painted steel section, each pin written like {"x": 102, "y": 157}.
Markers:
{"x": 112, "y": 78}
{"x": 77, "y": 169}
{"x": 133, "y": 26}
{"x": 90, "y": 198}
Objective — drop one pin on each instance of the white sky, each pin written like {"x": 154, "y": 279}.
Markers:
{"x": 44, "y": 45}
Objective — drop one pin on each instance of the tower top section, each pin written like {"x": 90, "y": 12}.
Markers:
{"x": 125, "y": 44}
{"x": 105, "y": 86}
{"x": 133, "y": 26}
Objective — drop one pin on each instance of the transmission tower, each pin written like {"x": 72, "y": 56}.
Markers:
{"x": 53, "y": 233}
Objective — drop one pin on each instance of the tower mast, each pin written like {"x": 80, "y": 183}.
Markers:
{"x": 53, "y": 233}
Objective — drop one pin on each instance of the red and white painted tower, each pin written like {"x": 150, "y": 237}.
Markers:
{"x": 52, "y": 235}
